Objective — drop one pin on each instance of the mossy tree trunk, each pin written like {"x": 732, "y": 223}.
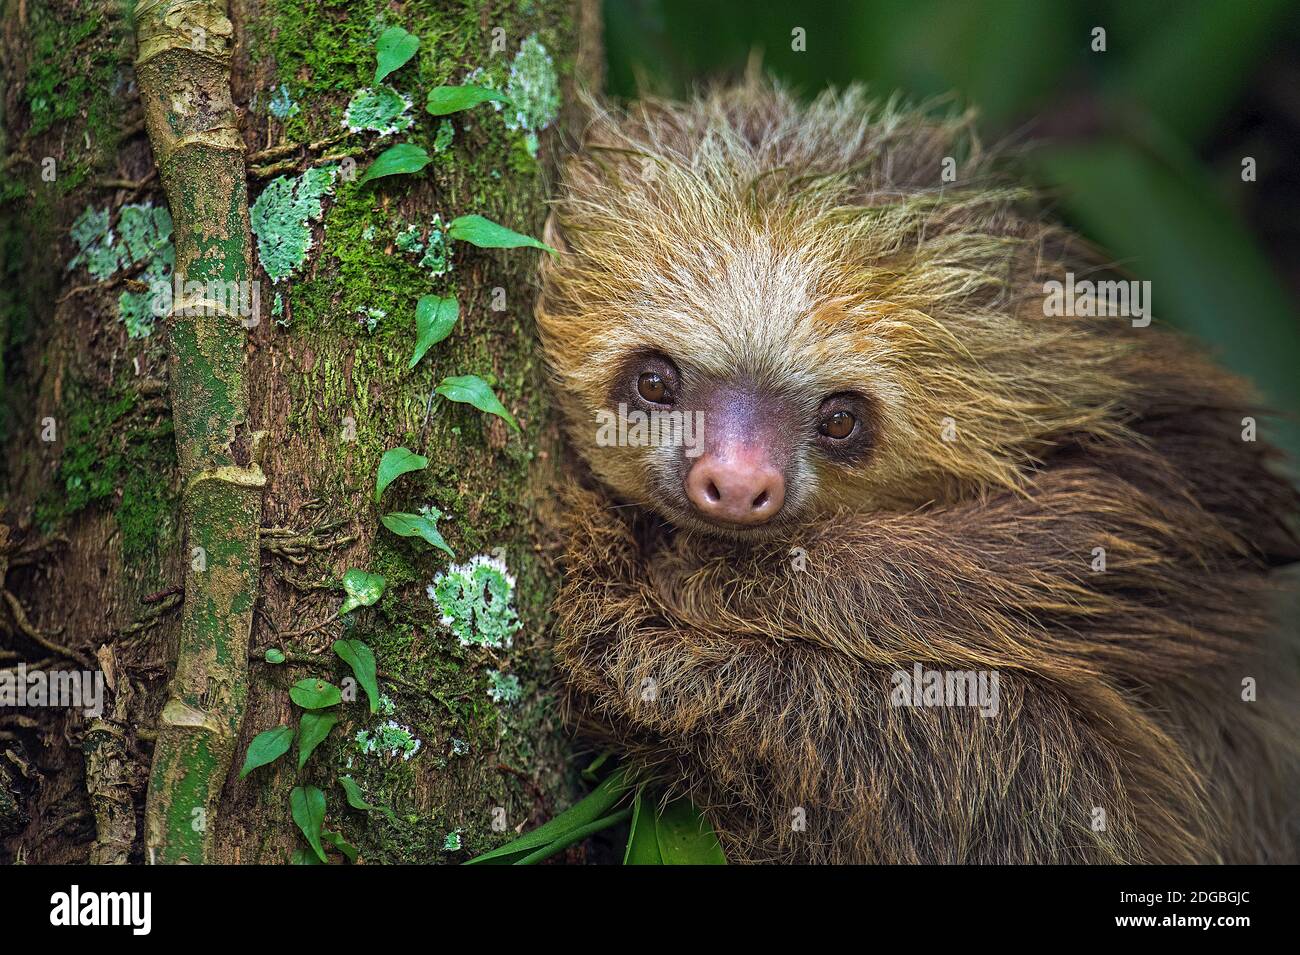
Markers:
{"x": 94, "y": 553}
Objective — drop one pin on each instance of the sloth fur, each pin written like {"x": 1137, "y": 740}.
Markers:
{"x": 814, "y": 249}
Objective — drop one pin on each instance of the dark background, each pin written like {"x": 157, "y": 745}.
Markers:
{"x": 1140, "y": 147}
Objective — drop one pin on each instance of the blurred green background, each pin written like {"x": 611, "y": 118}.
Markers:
{"x": 1142, "y": 145}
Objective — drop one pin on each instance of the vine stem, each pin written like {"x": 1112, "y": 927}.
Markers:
{"x": 183, "y": 53}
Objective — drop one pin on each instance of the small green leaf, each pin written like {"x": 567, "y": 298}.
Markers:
{"x": 338, "y": 842}
{"x": 362, "y": 660}
{"x": 642, "y": 840}
{"x": 266, "y": 748}
{"x": 307, "y": 804}
{"x": 685, "y": 837}
{"x": 363, "y": 589}
{"x": 564, "y": 828}
{"x": 303, "y": 856}
{"x": 315, "y": 694}
{"x": 355, "y": 798}
{"x": 394, "y": 464}
{"x": 395, "y": 160}
{"x": 312, "y": 730}
{"x": 434, "y": 319}
{"x": 274, "y": 655}
{"x": 473, "y": 390}
{"x": 393, "y": 48}
{"x": 418, "y": 525}
{"x": 453, "y": 99}
{"x": 487, "y": 234}
{"x": 358, "y": 801}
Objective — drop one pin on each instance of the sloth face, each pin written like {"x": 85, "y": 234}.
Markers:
{"x": 731, "y": 454}
{"x": 782, "y": 323}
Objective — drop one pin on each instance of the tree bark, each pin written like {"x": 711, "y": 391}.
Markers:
{"x": 97, "y": 557}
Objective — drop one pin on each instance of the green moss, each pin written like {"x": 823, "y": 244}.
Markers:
{"x": 115, "y": 456}
{"x": 75, "y": 73}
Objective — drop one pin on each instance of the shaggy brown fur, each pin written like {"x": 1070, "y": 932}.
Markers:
{"x": 814, "y": 250}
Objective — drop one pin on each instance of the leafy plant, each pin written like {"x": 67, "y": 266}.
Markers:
{"x": 312, "y": 730}
{"x": 483, "y": 232}
{"x": 423, "y": 525}
{"x": 678, "y": 835}
{"x": 394, "y": 464}
{"x": 392, "y": 50}
{"x": 435, "y": 317}
{"x": 307, "y": 804}
{"x": 362, "y": 661}
{"x": 315, "y": 694}
{"x": 362, "y": 589}
{"x": 473, "y": 390}
{"x": 452, "y": 99}
{"x": 266, "y": 748}
{"x": 394, "y": 161}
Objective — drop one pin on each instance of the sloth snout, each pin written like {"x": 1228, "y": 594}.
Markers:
{"x": 739, "y": 486}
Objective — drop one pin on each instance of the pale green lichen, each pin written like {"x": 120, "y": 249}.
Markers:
{"x": 282, "y": 105}
{"x": 437, "y": 249}
{"x": 458, "y": 747}
{"x": 452, "y": 842}
{"x": 281, "y": 219}
{"x": 383, "y": 110}
{"x": 442, "y": 139}
{"x": 410, "y": 241}
{"x": 475, "y": 601}
{"x": 503, "y": 687}
{"x": 142, "y": 246}
{"x": 372, "y": 317}
{"x": 391, "y": 737}
{"x": 534, "y": 91}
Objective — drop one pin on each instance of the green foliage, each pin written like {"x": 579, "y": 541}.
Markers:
{"x": 312, "y": 730}
{"x": 392, "y": 50}
{"x": 307, "y": 804}
{"x": 575, "y": 823}
{"x": 396, "y": 160}
{"x": 362, "y": 661}
{"x": 362, "y": 589}
{"x": 423, "y": 525}
{"x": 685, "y": 837}
{"x": 473, "y": 390}
{"x": 394, "y": 464}
{"x": 267, "y": 747}
{"x": 274, "y": 655}
{"x": 435, "y": 317}
{"x": 483, "y": 232}
{"x": 444, "y": 100}
{"x": 315, "y": 694}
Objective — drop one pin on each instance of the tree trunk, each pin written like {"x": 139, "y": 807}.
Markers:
{"x": 96, "y": 561}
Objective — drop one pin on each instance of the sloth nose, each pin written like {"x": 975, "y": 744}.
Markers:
{"x": 739, "y": 486}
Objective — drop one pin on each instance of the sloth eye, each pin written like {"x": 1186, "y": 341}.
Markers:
{"x": 653, "y": 388}
{"x": 838, "y": 425}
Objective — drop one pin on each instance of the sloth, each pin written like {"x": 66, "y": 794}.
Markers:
{"x": 908, "y": 466}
